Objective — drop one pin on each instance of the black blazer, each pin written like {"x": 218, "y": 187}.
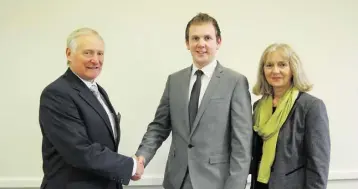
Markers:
{"x": 302, "y": 150}
{"x": 78, "y": 147}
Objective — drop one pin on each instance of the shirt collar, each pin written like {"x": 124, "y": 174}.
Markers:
{"x": 208, "y": 70}
{"x": 88, "y": 83}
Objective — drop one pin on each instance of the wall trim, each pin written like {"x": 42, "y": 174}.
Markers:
{"x": 150, "y": 180}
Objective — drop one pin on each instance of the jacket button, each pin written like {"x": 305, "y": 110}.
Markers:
{"x": 190, "y": 146}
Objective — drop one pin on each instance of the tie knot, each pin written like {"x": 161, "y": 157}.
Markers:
{"x": 94, "y": 89}
{"x": 199, "y": 73}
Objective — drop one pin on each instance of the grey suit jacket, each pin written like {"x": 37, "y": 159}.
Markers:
{"x": 218, "y": 149}
{"x": 303, "y": 148}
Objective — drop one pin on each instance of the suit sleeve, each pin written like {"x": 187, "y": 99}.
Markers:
{"x": 62, "y": 125}
{"x": 158, "y": 130}
{"x": 254, "y": 156}
{"x": 241, "y": 136}
{"x": 317, "y": 143}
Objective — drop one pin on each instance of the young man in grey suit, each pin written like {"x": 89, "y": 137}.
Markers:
{"x": 207, "y": 108}
{"x": 79, "y": 125}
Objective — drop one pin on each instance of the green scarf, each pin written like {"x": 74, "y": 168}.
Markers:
{"x": 268, "y": 125}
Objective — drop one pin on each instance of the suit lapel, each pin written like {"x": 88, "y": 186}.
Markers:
{"x": 116, "y": 117}
{"x": 183, "y": 94}
{"x": 86, "y": 95}
{"x": 213, "y": 83}
{"x": 94, "y": 103}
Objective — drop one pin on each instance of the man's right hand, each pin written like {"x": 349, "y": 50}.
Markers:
{"x": 141, "y": 159}
{"x": 140, "y": 168}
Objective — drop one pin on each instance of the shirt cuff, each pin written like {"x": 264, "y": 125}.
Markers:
{"x": 134, "y": 166}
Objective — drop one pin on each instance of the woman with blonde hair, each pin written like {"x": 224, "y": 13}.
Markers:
{"x": 291, "y": 142}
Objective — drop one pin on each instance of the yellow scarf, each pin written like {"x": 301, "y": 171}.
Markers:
{"x": 268, "y": 125}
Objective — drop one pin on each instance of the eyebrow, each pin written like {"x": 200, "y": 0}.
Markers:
{"x": 93, "y": 50}
{"x": 277, "y": 62}
{"x": 205, "y": 35}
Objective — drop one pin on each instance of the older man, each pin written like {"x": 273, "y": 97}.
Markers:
{"x": 79, "y": 125}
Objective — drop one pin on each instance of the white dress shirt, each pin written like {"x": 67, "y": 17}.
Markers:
{"x": 89, "y": 84}
{"x": 208, "y": 71}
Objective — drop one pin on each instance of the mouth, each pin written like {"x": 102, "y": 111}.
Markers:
{"x": 201, "y": 52}
{"x": 93, "y": 68}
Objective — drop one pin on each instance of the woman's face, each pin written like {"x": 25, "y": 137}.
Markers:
{"x": 277, "y": 71}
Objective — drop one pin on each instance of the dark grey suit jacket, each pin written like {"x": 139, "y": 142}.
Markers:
{"x": 217, "y": 149}
{"x": 303, "y": 148}
{"x": 78, "y": 147}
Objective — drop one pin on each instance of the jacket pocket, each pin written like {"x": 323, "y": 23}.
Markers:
{"x": 295, "y": 170}
{"x": 295, "y": 179}
{"x": 219, "y": 159}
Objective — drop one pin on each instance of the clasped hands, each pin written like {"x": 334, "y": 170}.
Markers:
{"x": 140, "y": 168}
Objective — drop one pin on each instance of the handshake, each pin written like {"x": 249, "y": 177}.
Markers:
{"x": 140, "y": 168}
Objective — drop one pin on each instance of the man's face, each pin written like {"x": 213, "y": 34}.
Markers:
{"x": 87, "y": 58}
{"x": 202, "y": 43}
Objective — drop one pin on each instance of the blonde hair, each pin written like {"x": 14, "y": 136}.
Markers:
{"x": 299, "y": 79}
{"x": 72, "y": 38}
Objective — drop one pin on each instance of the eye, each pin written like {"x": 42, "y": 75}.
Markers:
{"x": 88, "y": 52}
{"x": 282, "y": 64}
{"x": 207, "y": 38}
{"x": 195, "y": 38}
{"x": 268, "y": 65}
{"x": 100, "y": 53}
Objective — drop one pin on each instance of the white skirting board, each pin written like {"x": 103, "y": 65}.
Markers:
{"x": 150, "y": 180}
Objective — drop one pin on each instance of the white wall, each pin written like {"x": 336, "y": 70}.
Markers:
{"x": 145, "y": 43}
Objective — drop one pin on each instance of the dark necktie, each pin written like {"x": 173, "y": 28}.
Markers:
{"x": 194, "y": 98}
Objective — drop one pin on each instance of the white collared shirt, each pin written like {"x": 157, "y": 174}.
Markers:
{"x": 208, "y": 71}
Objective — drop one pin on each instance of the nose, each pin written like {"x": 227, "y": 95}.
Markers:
{"x": 275, "y": 69}
{"x": 95, "y": 59}
{"x": 201, "y": 42}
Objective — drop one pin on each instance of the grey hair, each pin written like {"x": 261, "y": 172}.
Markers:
{"x": 299, "y": 79}
{"x": 72, "y": 38}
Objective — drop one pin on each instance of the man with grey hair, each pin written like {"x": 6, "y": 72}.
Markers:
{"x": 79, "y": 125}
